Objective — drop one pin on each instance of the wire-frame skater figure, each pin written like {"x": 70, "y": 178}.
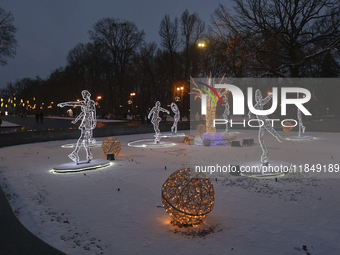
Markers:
{"x": 264, "y": 124}
{"x": 176, "y": 111}
{"x": 156, "y": 119}
{"x": 88, "y": 123}
{"x": 225, "y": 115}
{"x": 302, "y": 128}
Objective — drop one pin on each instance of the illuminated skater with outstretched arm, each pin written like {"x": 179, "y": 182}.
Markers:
{"x": 156, "y": 119}
{"x": 264, "y": 124}
{"x": 88, "y": 123}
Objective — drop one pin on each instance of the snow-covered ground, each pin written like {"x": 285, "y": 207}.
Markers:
{"x": 8, "y": 124}
{"x": 118, "y": 210}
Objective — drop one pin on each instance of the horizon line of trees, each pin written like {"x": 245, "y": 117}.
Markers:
{"x": 267, "y": 38}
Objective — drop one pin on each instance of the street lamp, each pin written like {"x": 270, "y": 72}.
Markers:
{"x": 201, "y": 46}
{"x": 130, "y": 102}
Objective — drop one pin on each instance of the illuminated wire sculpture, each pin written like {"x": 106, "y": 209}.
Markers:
{"x": 301, "y": 126}
{"x": 217, "y": 139}
{"x": 189, "y": 140}
{"x": 229, "y": 137}
{"x": 188, "y": 199}
{"x": 264, "y": 124}
{"x": 176, "y": 111}
{"x": 226, "y": 115}
{"x": 288, "y": 126}
{"x": 201, "y": 129}
{"x": 88, "y": 123}
{"x": 197, "y": 92}
{"x": 198, "y": 141}
{"x": 111, "y": 145}
{"x": 156, "y": 119}
{"x": 206, "y": 141}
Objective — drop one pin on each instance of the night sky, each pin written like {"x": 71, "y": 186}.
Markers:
{"x": 48, "y": 29}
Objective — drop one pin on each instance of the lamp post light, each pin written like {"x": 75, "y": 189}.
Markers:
{"x": 130, "y": 102}
{"x": 97, "y": 104}
{"x": 179, "y": 98}
{"x": 202, "y": 46}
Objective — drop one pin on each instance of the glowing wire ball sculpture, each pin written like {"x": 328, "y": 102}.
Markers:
{"x": 188, "y": 200}
{"x": 88, "y": 123}
{"x": 198, "y": 141}
{"x": 111, "y": 145}
{"x": 176, "y": 111}
{"x": 156, "y": 119}
{"x": 288, "y": 126}
{"x": 206, "y": 141}
{"x": 217, "y": 139}
{"x": 207, "y": 135}
{"x": 201, "y": 129}
{"x": 229, "y": 137}
{"x": 189, "y": 140}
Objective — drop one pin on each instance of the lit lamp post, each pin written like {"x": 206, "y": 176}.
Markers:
{"x": 97, "y": 104}
{"x": 130, "y": 102}
{"x": 179, "y": 99}
{"x": 201, "y": 46}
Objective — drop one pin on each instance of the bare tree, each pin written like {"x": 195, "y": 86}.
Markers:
{"x": 284, "y": 34}
{"x": 8, "y": 43}
{"x": 119, "y": 40}
{"x": 168, "y": 30}
{"x": 192, "y": 29}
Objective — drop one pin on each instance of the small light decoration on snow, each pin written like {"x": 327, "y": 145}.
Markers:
{"x": 217, "y": 139}
{"x": 201, "y": 129}
{"x": 206, "y": 141}
{"x": 198, "y": 141}
{"x": 111, "y": 145}
{"x": 207, "y": 136}
{"x": 288, "y": 126}
{"x": 227, "y": 137}
{"x": 189, "y": 140}
{"x": 188, "y": 200}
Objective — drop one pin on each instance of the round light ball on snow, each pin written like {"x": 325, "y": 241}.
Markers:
{"x": 188, "y": 199}
{"x": 206, "y": 142}
{"x": 111, "y": 145}
{"x": 288, "y": 126}
{"x": 217, "y": 139}
{"x": 189, "y": 140}
{"x": 198, "y": 141}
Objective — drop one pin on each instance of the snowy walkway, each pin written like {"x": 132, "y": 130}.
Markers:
{"x": 9, "y": 124}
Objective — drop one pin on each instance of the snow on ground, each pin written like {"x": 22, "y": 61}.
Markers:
{"x": 118, "y": 210}
{"x": 8, "y": 124}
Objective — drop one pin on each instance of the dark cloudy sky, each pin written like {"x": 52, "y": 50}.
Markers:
{"x": 48, "y": 29}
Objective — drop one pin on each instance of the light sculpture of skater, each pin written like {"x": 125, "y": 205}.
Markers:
{"x": 176, "y": 111}
{"x": 88, "y": 123}
{"x": 156, "y": 119}
{"x": 226, "y": 115}
{"x": 264, "y": 124}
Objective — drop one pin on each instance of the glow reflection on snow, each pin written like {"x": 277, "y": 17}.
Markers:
{"x": 150, "y": 143}
{"x": 97, "y": 167}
